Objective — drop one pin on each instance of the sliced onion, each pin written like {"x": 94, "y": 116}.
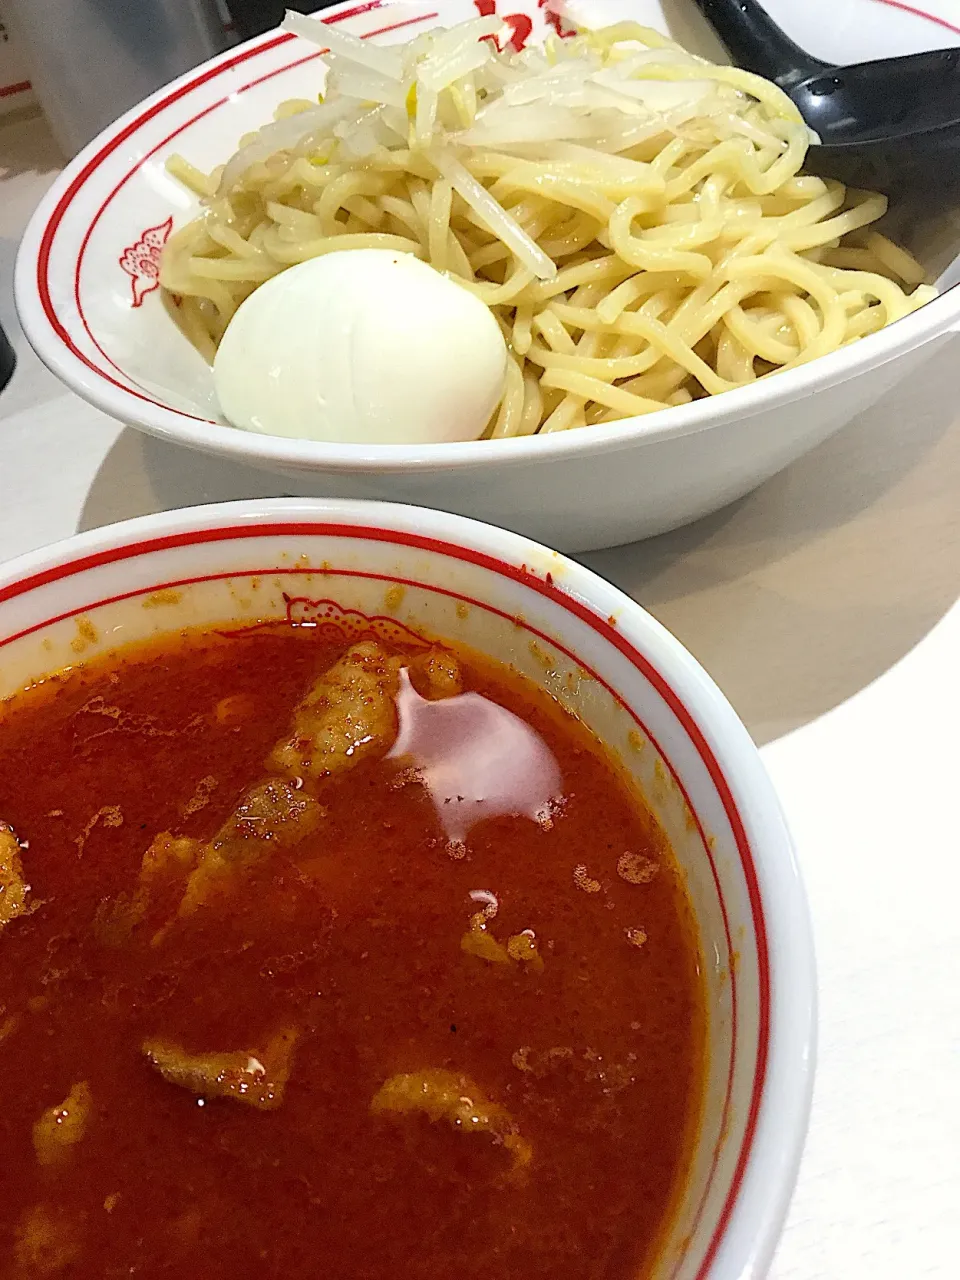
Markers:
{"x": 385, "y": 61}
{"x": 493, "y": 215}
{"x": 282, "y": 135}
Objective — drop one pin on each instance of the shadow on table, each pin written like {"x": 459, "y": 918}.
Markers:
{"x": 141, "y": 474}
{"x": 808, "y": 589}
{"x": 794, "y": 598}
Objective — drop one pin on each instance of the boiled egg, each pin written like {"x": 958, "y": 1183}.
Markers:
{"x": 362, "y": 346}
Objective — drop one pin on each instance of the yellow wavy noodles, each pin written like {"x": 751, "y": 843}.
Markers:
{"x": 637, "y": 250}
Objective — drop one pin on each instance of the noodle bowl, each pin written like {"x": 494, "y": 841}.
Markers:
{"x": 635, "y": 217}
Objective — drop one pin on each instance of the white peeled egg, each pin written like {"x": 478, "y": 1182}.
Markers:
{"x": 361, "y": 346}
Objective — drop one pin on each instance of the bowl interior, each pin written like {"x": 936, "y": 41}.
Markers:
{"x": 616, "y": 672}
{"x": 96, "y": 278}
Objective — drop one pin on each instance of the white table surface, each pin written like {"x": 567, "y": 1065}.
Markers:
{"x": 826, "y": 606}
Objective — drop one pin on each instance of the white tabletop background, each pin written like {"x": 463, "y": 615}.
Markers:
{"x": 826, "y": 606}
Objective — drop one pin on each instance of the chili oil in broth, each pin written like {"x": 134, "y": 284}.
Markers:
{"x": 576, "y": 1055}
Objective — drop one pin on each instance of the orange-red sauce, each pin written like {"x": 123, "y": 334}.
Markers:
{"x": 354, "y": 939}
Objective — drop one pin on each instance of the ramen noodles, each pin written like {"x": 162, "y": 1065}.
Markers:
{"x": 636, "y": 218}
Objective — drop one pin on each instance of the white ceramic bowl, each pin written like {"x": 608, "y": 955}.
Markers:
{"x": 340, "y": 563}
{"x": 86, "y": 280}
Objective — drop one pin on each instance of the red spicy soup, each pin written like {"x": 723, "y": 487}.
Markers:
{"x": 326, "y": 960}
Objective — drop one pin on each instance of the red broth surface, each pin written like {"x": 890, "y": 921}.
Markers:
{"x": 577, "y": 1062}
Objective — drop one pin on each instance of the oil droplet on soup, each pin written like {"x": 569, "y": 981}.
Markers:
{"x": 475, "y": 758}
{"x": 260, "y": 1017}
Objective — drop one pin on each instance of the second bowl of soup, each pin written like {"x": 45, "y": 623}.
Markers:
{"x": 381, "y": 887}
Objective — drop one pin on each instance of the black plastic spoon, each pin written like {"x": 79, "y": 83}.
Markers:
{"x": 893, "y": 124}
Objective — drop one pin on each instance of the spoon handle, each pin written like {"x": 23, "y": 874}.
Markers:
{"x": 755, "y": 42}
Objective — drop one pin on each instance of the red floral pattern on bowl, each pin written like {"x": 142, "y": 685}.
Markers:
{"x": 141, "y": 261}
{"x": 336, "y": 623}
{"x": 521, "y": 24}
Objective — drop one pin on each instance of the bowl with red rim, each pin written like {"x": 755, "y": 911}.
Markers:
{"x": 357, "y": 567}
{"x": 86, "y": 289}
